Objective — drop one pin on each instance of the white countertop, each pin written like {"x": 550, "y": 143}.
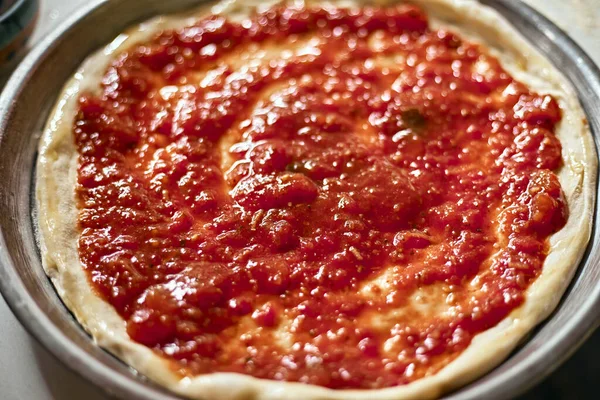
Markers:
{"x": 28, "y": 372}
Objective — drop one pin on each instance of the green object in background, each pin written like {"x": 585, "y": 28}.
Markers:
{"x": 17, "y": 19}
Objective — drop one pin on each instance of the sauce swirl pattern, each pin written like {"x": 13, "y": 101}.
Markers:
{"x": 341, "y": 197}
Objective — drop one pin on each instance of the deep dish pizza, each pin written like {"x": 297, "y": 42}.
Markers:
{"x": 315, "y": 199}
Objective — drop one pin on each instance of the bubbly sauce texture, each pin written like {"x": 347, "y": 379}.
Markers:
{"x": 341, "y": 197}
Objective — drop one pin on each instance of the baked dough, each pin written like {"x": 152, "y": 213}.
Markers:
{"x": 57, "y": 217}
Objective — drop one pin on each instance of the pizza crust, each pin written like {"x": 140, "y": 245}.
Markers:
{"x": 57, "y": 218}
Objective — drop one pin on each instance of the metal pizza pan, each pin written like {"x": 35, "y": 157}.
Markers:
{"x": 27, "y": 101}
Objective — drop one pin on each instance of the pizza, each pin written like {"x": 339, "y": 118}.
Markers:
{"x": 369, "y": 200}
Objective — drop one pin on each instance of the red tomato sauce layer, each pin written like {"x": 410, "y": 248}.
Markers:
{"x": 341, "y": 197}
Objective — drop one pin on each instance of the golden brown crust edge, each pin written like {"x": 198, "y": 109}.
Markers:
{"x": 57, "y": 217}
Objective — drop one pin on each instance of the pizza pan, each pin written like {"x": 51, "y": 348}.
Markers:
{"x": 24, "y": 108}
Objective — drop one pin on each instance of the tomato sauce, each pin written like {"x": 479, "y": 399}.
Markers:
{"x": 281, "y": 213}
